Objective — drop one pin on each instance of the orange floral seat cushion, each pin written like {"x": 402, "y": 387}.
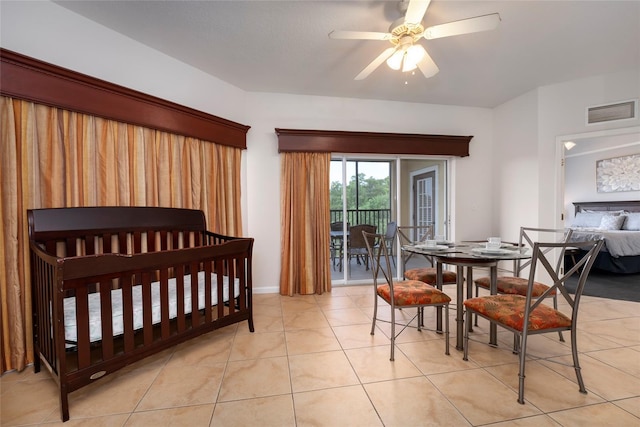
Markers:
{"x": 412, "y": 292}
{"x": 429, "y": 275}
{"x": 514, "y": 285}
{"x": 509, "y": 311}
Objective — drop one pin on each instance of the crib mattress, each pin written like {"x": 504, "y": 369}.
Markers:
{"x": 95, "y": 321}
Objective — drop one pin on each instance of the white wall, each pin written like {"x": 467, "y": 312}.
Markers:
{"x": 515, "y": 174}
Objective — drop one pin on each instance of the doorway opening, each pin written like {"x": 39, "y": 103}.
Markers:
{"x": 576, "y": 174}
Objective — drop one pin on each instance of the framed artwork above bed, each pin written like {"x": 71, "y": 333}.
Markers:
{"x": 618, "y": 174}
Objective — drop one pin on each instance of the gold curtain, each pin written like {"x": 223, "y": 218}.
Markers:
{"x": 57, "y": 158}
{"x": 305, "y": 239}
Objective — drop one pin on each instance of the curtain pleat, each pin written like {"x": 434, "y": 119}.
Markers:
{"x": 56, "y": 158}
{"x": 13, "y": 311}
{"x": 305, "y": 237}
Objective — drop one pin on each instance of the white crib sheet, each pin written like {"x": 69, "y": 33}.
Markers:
{"x": 95, "y": 323}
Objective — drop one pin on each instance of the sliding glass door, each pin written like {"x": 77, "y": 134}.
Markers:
{"x": 382, "y": 192}
{"x": 361, "y": 194}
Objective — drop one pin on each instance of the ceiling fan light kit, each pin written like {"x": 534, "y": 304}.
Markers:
{"x": 407, "y": 53}
{"x": 406, "y": 57}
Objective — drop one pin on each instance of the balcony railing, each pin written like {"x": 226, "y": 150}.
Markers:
{"x": 378, "y": 217}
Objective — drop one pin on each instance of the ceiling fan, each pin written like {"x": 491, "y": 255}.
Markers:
{"x": 407, "y": 54}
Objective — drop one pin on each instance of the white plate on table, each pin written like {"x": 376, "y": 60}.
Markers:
{"x": 432, "y": 248}
{"x": 481, "y": 245}
{"x": 496, "y": 251}
{"x": 445, "y": 243}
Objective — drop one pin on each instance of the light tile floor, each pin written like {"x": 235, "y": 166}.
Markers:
{"x": 312, "y": 362}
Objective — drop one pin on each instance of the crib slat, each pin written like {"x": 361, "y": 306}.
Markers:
{"x": 242, "y": 285}
{"x": 82, "y": 323}
{"x": 164, "y": 302}
{"x": 195, "y": 313}
{"x": 207, "y": 291}
{"x": 151, "y": 241}
{"x": 175, "y": 238}
{"x": 89, "y": 245}
{"x": 137, "y": 242}
{"x": 51, "y": 246}
{"x": 106, "y": 319}
{"x": 106, "y": 244}
{"x": 147, "y": 320}
{"x": 127, "y": 312}
{"x": 50, "y": 295}
{"x": 70, "y": 245}
{"x": 122, "y": 243}
{"x": 218, "y": 268}
{"x": 180, "y": 297}
{"x": 163, "y": 240}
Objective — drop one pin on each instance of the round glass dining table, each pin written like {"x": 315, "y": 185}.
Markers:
{"x": 469, "y": 255}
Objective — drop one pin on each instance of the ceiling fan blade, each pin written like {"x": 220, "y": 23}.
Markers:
{"x": 375, "y": 63}
{"x": 464, "y": 26}
{"x": 416, "y": 11}
{"x": 426, "y": 64}
{"x": 359, "y": 35}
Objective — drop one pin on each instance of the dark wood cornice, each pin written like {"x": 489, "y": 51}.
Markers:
{"x": 300, "y": 140}
{"x": 33, "y": 80}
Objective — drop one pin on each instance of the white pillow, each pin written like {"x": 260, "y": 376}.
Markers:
{"x": 587, "y": 220}
{"x": 612, "y": 222}
{"x": 632, "y": 222}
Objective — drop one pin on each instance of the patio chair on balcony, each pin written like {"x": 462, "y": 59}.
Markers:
{"x": 337, "y": 243}
{"x": 357, "y": 246}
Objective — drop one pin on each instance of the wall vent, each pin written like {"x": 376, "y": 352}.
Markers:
{"x": 606, "y": 113}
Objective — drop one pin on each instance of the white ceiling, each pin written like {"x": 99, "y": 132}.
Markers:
{"x": 283, "y": 46}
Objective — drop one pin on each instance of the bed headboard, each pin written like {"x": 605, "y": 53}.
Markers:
{"x": 629, "y": 206}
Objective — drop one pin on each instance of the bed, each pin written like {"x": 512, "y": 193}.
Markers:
{"x": 113, "y": 285}
{"x": 619, "y": 223}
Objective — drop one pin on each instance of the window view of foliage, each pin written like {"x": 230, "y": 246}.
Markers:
{"x": 373, "y": 193}
{"x": 368, "y": 194}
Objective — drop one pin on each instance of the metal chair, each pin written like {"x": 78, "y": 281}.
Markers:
{"x": 390, "y": 239}
{"x": 527, "y": 314}
{"x": 400, "y": 294}
{"x": 411, "y": 235}
{"x": 517, "y": 285}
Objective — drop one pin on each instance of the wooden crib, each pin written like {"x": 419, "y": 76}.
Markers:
{"x": 112, "y": 285}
